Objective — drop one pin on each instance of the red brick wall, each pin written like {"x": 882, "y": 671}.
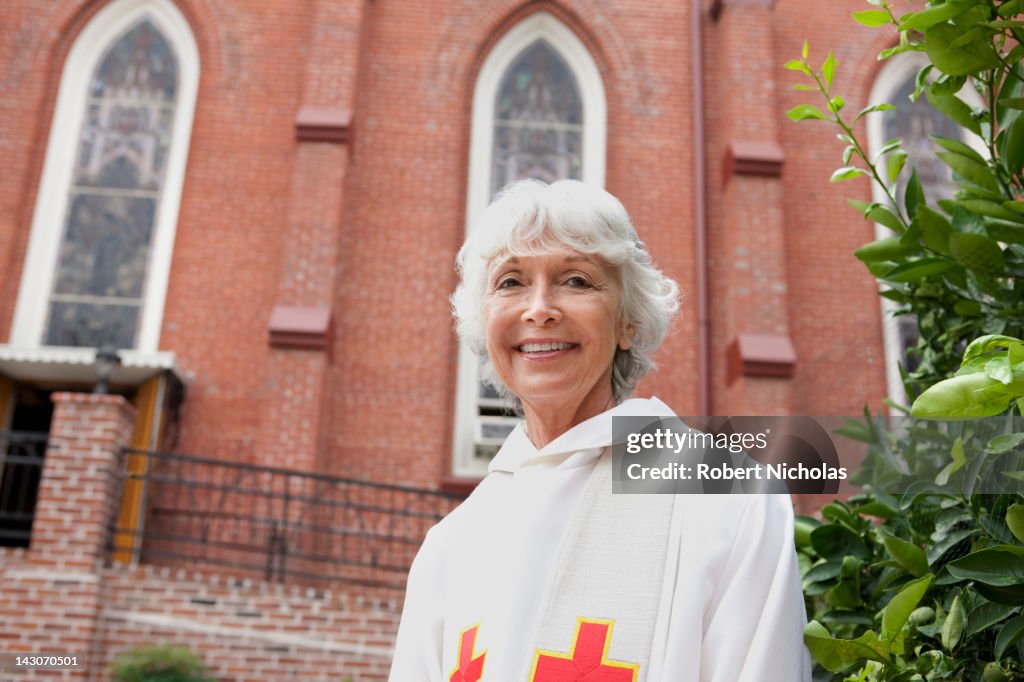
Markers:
{"x": 380, "y": 219}
{"x": 251, "y": 631}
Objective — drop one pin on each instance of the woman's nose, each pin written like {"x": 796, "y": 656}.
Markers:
{"x": 542, "y": 307}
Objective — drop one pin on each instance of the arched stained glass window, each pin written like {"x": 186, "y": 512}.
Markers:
{"x": 913, "y": 123}
{"x": 100, "y": 279}
{"x": 538, "y": 120}
{"x": 538, "y": 112}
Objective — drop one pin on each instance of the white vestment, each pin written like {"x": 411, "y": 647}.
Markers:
{"x": 730, "y": 606}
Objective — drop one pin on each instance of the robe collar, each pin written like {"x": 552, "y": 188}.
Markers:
{"x": 579, "y": 445}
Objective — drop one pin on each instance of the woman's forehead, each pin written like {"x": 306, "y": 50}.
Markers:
{"x": 558, "y": 255}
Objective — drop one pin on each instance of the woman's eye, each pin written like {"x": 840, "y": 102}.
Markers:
{"x": 578, "y": 282}
{"x": 507, "y": 283}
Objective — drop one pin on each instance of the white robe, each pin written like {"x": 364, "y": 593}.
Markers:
{"x": 731, "y": 608}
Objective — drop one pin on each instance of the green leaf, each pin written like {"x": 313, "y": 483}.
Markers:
{"x": 880, "y": 214}
{"x": 935, "y": 229}
{"x": 846, "y": 173}
{"x": 995, "y": 567}
{"x": 802, "y": 527}
{"x": 836, "y": 104}
{"x": 894, "y": 164}
{"x": 1009, "y": 635}
{"x": 955, "y": 110}
{"x": 872, "y": 17}
{"x": 797, "y": 65}
{"x": 899, "y": 608}
{"x": 833, "y": 654}
{"x": 966, "y": 397}
{"x": 1014, "y": 156}
{"x": 925, "y": 19}
{"x": 1008, "y": 9}
{"x": 962, "y": 59}
{"x": 1013, "y": 102}
{"x": 914, "y": 194}
{"x": 847, "y": 154}
{"x": 805, "y": 112}
{"x": 1000, "y": 445}
{"x": 985, "y": 615}
{"x": 908, "y": 555}
{"x": 828, "y": 69}
{"x": 872, "y": 109}
{"x": 977, "y": 252}
{"x": 884, "y": 249}
{"x": 991, "y": 209}
{"x": 822, "y": 572}
{"x": 990, "y": 343}
{"x": 1015, "y": 514}
{"x": 957, "y": 463}
{"x": 958, "y": 147}
{"x": 953, "y": 626}
{"x": 805, "y": 51}
{"x": 917, "y": 269}
{"x": 1013, "y": 596}
{"x": 833, "y": 542}
{"x": 971, "y": 170}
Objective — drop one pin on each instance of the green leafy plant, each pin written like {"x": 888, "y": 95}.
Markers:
{"x": 162, "y": 663}
{"x": 957, "y": 262}
{"x": 929, "y": 584}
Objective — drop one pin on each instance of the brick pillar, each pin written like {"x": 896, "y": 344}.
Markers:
{"x": 50, "y": 603}
{"x": 751, "y": 264}
{"x": 290, "y": 432}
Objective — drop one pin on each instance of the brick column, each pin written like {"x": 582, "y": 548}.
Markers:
{"x": 752, "y": 263}
{"x": 50, "y": 603}
{"x": 290, "y": 432}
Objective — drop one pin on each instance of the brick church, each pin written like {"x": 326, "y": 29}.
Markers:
{"x": 239, "y": 219}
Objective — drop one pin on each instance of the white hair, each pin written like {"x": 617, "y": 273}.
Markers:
{"x": 530, "y": 217}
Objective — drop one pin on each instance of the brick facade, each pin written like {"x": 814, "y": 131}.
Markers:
{"x": 362, "y": 223}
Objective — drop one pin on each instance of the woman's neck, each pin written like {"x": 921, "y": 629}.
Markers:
{"x": 547, "y": 420}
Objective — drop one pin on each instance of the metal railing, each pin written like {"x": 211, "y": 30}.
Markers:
{"x": 273, "y": 523}
{"x": 21, "y": 468}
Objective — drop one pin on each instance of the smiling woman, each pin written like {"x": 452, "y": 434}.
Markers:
{"x": 543, "y": 575}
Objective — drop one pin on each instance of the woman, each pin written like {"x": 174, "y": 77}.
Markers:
{"x": 542, "y": 575}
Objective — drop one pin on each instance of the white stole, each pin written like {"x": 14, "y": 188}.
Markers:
{"x": 609, "y": 570}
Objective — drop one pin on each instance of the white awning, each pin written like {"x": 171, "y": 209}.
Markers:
{"x": 78, "y": 365}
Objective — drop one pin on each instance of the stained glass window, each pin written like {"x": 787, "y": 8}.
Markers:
{"x": 100, "y": 280}
{"x": 913, "y": 122}
{"x": 538, "y": 133}
{"x": 538, "y": 126}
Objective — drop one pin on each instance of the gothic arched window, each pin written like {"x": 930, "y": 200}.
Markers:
{"x": 538, "y": 112}
{"x": 99, "y": 253}
{"x": 538, "y": 120}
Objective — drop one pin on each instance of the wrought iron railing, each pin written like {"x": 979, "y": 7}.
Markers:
{"x": 21, "y": 467}
{"x": 274, "y": 523}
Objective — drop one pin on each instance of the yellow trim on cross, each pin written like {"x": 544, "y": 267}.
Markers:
{"x": 614, "y": 669}
{"x": 466, "y": 659}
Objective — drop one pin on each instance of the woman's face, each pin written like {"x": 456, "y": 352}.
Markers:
{"x": 553, "y": 326}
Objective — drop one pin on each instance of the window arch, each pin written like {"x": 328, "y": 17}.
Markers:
{"x": 99, "y": 253}
{"x": 539, "y": 111}
{"x": 913, "y": 123}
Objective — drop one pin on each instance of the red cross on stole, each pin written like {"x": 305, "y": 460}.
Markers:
{"x": 469, "y": 669}
{"x": 587, "y": 661}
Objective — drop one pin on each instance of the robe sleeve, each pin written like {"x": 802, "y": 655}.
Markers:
{"x": 418, "y": 647}
{"x": 753, "y": 624}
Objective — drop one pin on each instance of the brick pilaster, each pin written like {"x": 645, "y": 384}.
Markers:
{"x": 751, "y": 270}
{"x": 51, "y": 600}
